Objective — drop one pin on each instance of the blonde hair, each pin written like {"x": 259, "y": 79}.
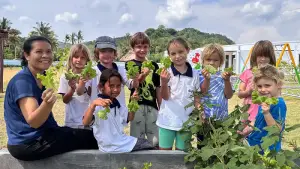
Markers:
{"x": 213, "y": 48}
{"x": 76, "y": 49}
{"x": 268, "y": 72}
{"x": 263, "y": 48}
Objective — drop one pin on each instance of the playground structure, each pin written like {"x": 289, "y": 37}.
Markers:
{"x": 238, "y": 57}
{"x": 3, "y": 37}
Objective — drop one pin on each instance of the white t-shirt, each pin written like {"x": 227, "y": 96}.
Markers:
{"x": 110, "y": 134}
{"x": 76, "y": 108}
{"x": 172, "y": 113}
{"x": 95, "y": 81}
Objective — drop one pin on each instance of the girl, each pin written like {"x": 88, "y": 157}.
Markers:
{"x": 262, "y": 54}
{"x": 268, "y": 81}
{"x": 109, "y": 133}
{"x": 177, "y": 84}
{"x": 32, "y": 131}
{"x": 75, "y": 105}
{"x": 217, "y": 86}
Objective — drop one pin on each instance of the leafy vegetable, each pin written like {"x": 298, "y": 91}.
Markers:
{"x": 212, "y": 70}
{"x": 133, "y": 106}
{"x": 49, "y": 79}
{"x": 257, "y": 99}
{"x": 102, "y": 114}
{"x": 148, "y": 64}
{"x": 166, "y": 62}
{"x": 70, "y": 75}
{"x": 229, "y": 70}
{"x": 89, "y": 71}
{"x": 132, "y": 70}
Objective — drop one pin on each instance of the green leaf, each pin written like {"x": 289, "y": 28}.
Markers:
{"x": 206, "y": 153}
{"x": 280, "y": 159}
{"x": 212, "y": 70}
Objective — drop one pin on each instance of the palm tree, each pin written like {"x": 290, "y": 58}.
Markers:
{"x": 67, "y": 38}
{"x": 14, "y": 39}
{"x": 44, "y": 29}
{"x": 79, "y": 36}
{"x": 5, "y": 24}
{"x": 73, "y": 38}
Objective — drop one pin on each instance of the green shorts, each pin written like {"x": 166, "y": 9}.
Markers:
{"x": 167, "y": 137}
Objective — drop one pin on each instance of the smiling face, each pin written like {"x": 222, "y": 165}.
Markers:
{"x": 178, "y": 53}
{"x": 40, "y": 57}
{"x": 214, "y": 60}
{"x": 107, "y": 55}
{"x": 268, "y": 87}
{"x": 141, "y": 51}
{"x": 79, "y": 60}
{"x": 112, "y": 87}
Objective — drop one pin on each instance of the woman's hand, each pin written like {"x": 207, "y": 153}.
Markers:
{"x": 49, "y": 96}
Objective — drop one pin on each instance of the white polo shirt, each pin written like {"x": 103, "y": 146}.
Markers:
{"x": 109, "y": 133}
{"x": 75, "y": 109}
{"x": 95, "y": 81}
{"x": 172, "y": 113}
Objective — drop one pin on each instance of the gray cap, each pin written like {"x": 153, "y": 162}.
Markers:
{"x": 105, "y": 42}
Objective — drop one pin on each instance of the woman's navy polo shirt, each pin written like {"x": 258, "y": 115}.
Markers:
{"x": 23, "y": 84}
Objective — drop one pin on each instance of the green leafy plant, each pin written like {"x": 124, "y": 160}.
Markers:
{"x": 224, "y": 148}
{"x": 257, "y": 99}
{"x": 132, "y": 70}
{"x": 212, "y": 70}
{"x": 229, "y": 70}
{"x": 70, "y": 75}
{"x": 49, "y": 78}
{"x": 133, "y": 106}
{"x": 88, "y": 71}
{"x": 166, "y": 62}
{"x": 102, "y": 114}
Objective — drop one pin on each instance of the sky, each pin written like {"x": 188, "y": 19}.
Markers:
{"x": 244, "y": 21}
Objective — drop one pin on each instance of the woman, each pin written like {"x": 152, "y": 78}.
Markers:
{"x": 32, "y": 131}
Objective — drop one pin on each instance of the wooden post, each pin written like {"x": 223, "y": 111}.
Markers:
{"x": 3, "y": 36}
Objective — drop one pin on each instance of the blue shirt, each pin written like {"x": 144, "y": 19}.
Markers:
{"x": 23, "y": 84}
{"x": 216, "y": 97}
{"x": 278, "y": 112}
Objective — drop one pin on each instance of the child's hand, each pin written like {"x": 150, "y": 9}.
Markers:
{"x": 84, "y": 79}
{"x": 135, "y": 82}
{"x": 72, "y": 84}
{"x": 145, "y": 71}
{"x": 165, "y": 77}
{"x": 205, "y": 74}
{"x": 265, "y": 108}
{"x": 135, "y": 95}
{"x": 226, "y": 76}
{"x": 49, "y": 96}
{"x": 102, "y": 102}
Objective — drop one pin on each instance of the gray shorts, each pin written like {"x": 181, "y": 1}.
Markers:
{"x": 144, "y": 124}
{"x": 142, "y": 144}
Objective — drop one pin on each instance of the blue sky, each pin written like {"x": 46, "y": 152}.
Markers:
{"x": 242, "y": 20}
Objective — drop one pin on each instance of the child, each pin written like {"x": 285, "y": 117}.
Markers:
{"x": 109, "y": 133}
{"x": 75, "y": 104}
{"x": 177, "y": 84}
{"x": 104, "y": 54}
{"x": 262, "y": 54}
{"x": 217, "y": 86}
{"x": 268, "y": 82}
{"x": 145, "y": 118}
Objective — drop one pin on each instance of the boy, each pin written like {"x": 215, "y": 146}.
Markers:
{"x": 268, "y": 81}
{"x": 145, "y": 118}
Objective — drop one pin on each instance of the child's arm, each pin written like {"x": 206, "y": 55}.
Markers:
{"x": 164, "y": 89}
{"x": 81, "y": 87}
{"x": 243, "y": 93}
{"x": 268, "y": 116}
{"x": 88, "y": 115}
{"x": 67, "y": 97}
{"x": 205, "y": 85}
{"x": 158, "y": 96}
{"x": 228, "y": 88}
{"x": 247, "y": 130}
{"x": 143, "y": 75}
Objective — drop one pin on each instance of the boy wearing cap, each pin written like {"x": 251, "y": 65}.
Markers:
{"x": 144, "y": 123}
{"x": 104, "y": 54}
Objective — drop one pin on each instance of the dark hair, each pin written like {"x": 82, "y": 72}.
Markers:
{"x": 139, "y": 38}
{"x": 180, "y": 41}
{"x": 263, "y": 48}
{"x": 27, "y": 47}
{"x": 107, "y": 74}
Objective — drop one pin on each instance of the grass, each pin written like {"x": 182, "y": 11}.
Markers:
{"x": 58, "y": 112}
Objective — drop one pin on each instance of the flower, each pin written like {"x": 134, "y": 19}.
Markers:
{"x": 195, "y": 60}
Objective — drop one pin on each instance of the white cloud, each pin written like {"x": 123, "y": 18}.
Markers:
{"x": 260, "y": 33}
{"x": 24, "y": 18}
{"x": 262, "y": 9}
{"x": 9, "y": 7}
{"x": 290, "y": 14}
{"x": 126, "y": 18}
{"x": 68, "y": 17}
{"x": 175, "y": 13}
